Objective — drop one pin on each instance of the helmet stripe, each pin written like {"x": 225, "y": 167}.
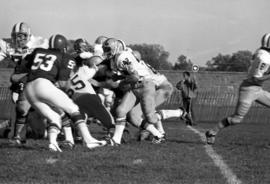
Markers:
{"x": 52, "y": 41}
{"x": 17, "y": 27}
{"x": 266, "y": 40}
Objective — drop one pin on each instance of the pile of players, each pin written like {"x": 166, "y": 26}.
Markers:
{"x": 63, "y": 88}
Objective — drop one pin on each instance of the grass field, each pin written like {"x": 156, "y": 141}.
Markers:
{"x": 182, "y": 159}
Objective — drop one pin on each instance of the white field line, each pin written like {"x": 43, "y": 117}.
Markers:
{"x": 224, "y": 168}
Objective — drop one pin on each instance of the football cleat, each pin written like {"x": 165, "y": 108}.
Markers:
{"x": 210, "y": 137}
{"x": 54, "y": 147}
{"x": 112, "y": 142}
{"x": 67, "y": 145}
{"x": 158, "y": 140}
{"x": 95, "y": 144}
{"x": 16, "y": 141}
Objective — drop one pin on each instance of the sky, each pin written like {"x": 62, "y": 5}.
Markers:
{"x": 199, "y": 29}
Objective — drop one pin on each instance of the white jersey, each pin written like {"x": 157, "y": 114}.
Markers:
{"x": 79, "y": 81}
{"x": 125, "y": 62}
{"x": 9, "y": 50}
{"x": 260, "y": 64}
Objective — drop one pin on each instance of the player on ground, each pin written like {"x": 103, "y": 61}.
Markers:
{"x": 22, "y": 43}
{"x": 250, "y": 89}
{"x": 47, "y": 67}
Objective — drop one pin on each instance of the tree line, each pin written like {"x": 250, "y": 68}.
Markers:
{"x": 157, "y": 57}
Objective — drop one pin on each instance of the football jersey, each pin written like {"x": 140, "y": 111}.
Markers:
{"x": 126, "y": 63}
{"x": 50, "y": 64}
{"x": 79, "y": 81}
{"x": 259, "y": 66}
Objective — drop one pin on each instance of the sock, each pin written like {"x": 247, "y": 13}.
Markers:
{"x": 85, "y": 133}
{"x": 52, "y": 134}
{"x": 118, "y": 133}
{"x": 151, "y": 128}
{"x": 166, "y": 114}
{"x": 159, "y": 127}
{"x": 68, "y": 134}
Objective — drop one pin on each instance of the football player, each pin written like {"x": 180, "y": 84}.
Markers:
{"x": 142, "y": 83}
{"x": 48, "y": 66}
{"x": 250, "y": 89}
{"x": 22, "y": 43}
{"x": 84, "y": 95}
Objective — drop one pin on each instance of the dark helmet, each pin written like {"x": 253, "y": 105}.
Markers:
{"x": 81, "y": 45}
{"x": 58, "y": 42}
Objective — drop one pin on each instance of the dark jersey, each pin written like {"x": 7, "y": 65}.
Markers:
{"x": 50, "y": 64}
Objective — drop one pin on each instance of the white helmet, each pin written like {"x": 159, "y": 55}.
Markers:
{"x": 100, "y": 39}
{"x": 21, "y": 34}
{"x": 266, "y": 41}
{"x": 112, "y": 46}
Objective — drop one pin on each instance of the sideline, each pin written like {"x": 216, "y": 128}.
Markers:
{"x": 224, "y": 168}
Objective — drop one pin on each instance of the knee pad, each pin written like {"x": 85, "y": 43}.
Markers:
{"x": 66, "y": 121}
{"x": 78, "y": 118}
{"x": 120, "y": 112}
{"x": 21, "y": 110}
{"x": 54, "y": 126}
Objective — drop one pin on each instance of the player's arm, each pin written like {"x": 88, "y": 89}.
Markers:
{"x": 263, "y": 78}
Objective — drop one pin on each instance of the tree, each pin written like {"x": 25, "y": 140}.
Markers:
{"x": 218, "y": 63}
{"x": 238, "y": 62}
{"x": 183, "y": 63}
{"x": 153, "y": 54}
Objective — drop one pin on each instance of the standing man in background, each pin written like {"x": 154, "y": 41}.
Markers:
{"x": 188, "y": 87}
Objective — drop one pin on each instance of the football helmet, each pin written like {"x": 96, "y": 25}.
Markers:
{"x": 100, "y": 39}
{"x": 58, "y": 42}
{"x": 137, "y": 55}
{"x": 81, "y": 45}
{"x": 112, "y": 46}
{"x": 266, "y": 41}
{"x": 20, "y": 34}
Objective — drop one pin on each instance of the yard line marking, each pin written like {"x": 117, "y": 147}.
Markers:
{"x": 219, "y": 162}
